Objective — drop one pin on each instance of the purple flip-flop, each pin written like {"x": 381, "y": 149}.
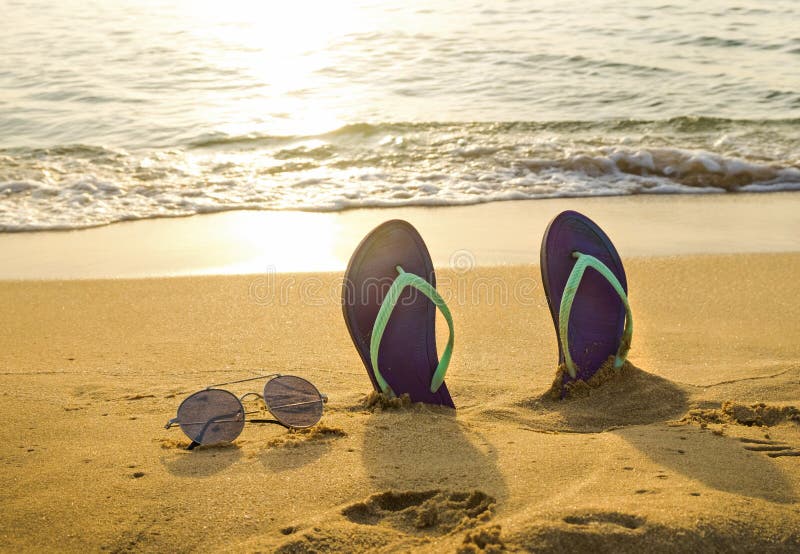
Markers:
{"x": 586, "y": 289}
{"x": 389, "y": 303}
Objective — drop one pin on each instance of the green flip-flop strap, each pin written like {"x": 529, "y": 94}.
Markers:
{"x": 402, "y": 281}
{"x": 571, "y": 288}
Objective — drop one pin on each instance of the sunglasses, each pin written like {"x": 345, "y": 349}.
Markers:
{"x": 214, "y": 415}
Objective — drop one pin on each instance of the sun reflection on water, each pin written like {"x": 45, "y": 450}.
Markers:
{"x": 284, "y": 50}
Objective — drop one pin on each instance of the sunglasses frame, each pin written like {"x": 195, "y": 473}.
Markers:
{"x": 269, "y": 377}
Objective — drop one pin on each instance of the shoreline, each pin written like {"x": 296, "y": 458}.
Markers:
{"x": 482, "y": 235}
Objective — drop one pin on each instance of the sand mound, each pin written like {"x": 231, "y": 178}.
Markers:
{"x": 184, "y": 444}
{"x": 619, "y": 532}
{"x": 403, "y": 521}
{"x": 333, "y": 539}
{"x": 295, "y": 437}
{"x": 169, "y": 444}
{"x": 378, "y": 401}
{"x": 429, "y": 512}
{"x": 612, "y": 398}
{"x": 761, "y": 415}
{"x": 580, "y": 388}
{"x": 484, "y": 540}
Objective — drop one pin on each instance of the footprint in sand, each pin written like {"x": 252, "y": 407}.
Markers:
{"x": 432, "y": 511}
{"x": 613, "y": 518}
{"x": 773, "y": 449}
{"x": 749, "y": 415}
{"x": 138, "y": 396}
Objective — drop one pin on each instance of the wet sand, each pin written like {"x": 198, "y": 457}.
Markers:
{"x": 498, "y": 233}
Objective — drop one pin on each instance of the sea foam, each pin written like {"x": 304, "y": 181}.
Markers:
{"x": 360, "y": 166}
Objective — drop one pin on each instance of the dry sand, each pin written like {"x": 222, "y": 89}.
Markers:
{"x": 666, "y": 456}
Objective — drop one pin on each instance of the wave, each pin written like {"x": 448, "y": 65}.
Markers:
{"x": 396, "y": 164}
{"x": 682, "y": 124}
{"x": 691, "y": 169}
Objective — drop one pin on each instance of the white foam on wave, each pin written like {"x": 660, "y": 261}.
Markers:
{"x": 58, "y": 190}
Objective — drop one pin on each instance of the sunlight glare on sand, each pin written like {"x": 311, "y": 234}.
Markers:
{"x": 284, "y": 241}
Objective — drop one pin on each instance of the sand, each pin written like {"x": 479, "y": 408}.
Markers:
{"x": 691, "y": 447}
{"x": 498, "y": 233}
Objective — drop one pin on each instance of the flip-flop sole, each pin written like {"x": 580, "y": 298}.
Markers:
{"x": 407, "y": 356}
{"x": 598, "y": 315}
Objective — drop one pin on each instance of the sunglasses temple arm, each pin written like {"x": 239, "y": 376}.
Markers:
{"x": 174, "y": 421}
{"x": 275, "y": 421}
{"x": 244, "y": 380}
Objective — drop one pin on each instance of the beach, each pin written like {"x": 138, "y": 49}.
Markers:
{"x": 677, "y": 453}
{"x": 183, "y": 183}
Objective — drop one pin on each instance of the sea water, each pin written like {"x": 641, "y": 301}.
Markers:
{"x": 128, "y": 109}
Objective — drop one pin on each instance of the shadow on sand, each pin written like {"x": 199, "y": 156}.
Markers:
{"x": 637, "y": 406}
{"x": 203, "y": 461}
{"x": 293, "y": 450}
{"x": 423, "y": 448}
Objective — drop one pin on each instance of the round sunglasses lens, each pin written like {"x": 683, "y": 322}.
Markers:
{"x": 293, "y": 401}
{"x": 211, "y": 416}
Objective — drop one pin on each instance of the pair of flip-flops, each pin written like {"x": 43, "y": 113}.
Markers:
{"x": 390, "y": 300}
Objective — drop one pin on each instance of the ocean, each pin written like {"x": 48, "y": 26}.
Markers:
{"x": 132, "y": 109}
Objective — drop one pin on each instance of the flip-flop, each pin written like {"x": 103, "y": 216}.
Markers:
{"x": 586, "y": 289}
{"x": 389, "y": 301}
